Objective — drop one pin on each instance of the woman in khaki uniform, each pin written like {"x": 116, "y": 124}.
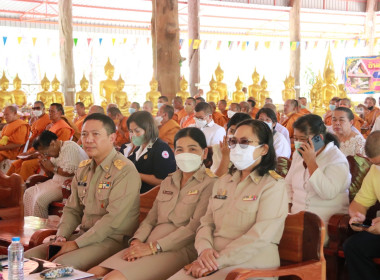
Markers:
{"x": 246, "y": 213}
{"x": 164, "y": 242}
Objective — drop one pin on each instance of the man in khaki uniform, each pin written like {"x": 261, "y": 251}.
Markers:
{"x": 104, "y": 201}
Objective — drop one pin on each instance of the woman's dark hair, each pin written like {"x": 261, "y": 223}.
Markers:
{"x": 44, "y": 139}
{"x": 348, "y": 111}
{"x": 265, "y": 136}
{"x": 238, "y": 117}
{"x": 145, "y": 121}
{"x": 313, "y": 125}
{"x": 194, "y": 133}
{"x": 269, "y": 112}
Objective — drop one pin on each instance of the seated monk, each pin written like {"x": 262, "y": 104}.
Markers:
{"x": 358, "y": 121}
{"x": 328, "y": 116}
{"x": 167, "y": 127}
{"x": 245, "y": 107}
{"x": 179, "y": 110}
{"x": 14, "y": 134}
{"x": 291, "y": 115}
{"x": 254, "y": 110}
{"x": 59, "y": 126}
{"x": 38, "y": 122}
{"x": 122, "y": 132}
{"x": 81, "y": 115}
{"x": 218, "y": 117}
{"x": 189, "y": 108}
{"x": 302, "y": 106}
{"x": 371, "y": 112}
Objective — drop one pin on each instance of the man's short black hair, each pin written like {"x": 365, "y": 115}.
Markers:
{"x": 114, "y": 111}
{"x": 59, "y": 107}
{"x": 108, "y": 123}
{"x": 44, "y": 139}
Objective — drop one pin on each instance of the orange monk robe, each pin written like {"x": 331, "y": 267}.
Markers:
{"x": 79, "y": 122}
{"x": 219, "y": 119}
{"x": 278, "y": 116}
{"x": 225, "y": 113}
{"x": 304, "y": 111}
{"x": 358, "y": 122}
{"x": 26, "y": 168}
{"x": 17, "y": 133}
{"x": 188, "y": 120}
{"x": 167, "y": 131}
{"x": 288, "y": 123}
{"x": 328, "y": 118}
{"x": 39, "y": 125}
{"x": 122, "y": 133}
{"x": 254, "y": 112}
{"x": 370, "y": 118}
{"x": 179, "y": 115}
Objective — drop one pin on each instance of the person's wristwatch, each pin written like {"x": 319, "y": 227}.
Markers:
{"x": 158, "y": 247}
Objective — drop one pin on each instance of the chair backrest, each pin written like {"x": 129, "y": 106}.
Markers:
{"x": 146, "y": 201}
{"x": 359, "y": 167}
{"x": 11, "y": 196}
{"x": 302, "y": 239}
{"x": 283, "y": 166}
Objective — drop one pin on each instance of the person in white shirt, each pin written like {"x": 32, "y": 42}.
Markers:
{"x": 279, "y": 127}
{"x": 319, "y": 177}
{"x": 203, "y": 120}
{"x": 281, "y": 146}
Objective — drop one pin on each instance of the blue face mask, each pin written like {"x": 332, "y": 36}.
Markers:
{"x": 332, "y": 107}
{"x": 131, "y": 110}
{"x": 138, "y": 140}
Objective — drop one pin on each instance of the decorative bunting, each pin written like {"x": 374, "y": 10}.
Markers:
{"x": 190, "y": 41}
{"x": 34, "y": 39}
{"x": 327, "y": 44}
{"x": 113, "y": 41}
{"x": 375, "y": 42}
{"x": 267, "y": 44}
{"x": 230, "y": 44}
{"x": 238, "y": 43}
{"x": 19, "y": 40}
{"x": 315, "y": 44}
{"x": 366, "y": 43}
{"x": 5, "y": 40}
{"x": 247, "y": 43}
{"x": 205, "y": 44}
{"x": 125, "y": 40}
{"x": 336, "y": 44}
{"x": 256, "y": 45}
{"x": 196, "y": 44}
{"x": 281, "y": 45}
{"x": 180, "y": 43}
{"x": 147, "y": 40}
{"x": 244, "y": 46}
{"x": 294, "y": 45}
{"x": 100, "y": 41}
{"x": 356, "y": 43}
{"x": 306, "y": 45}
{"x": 75, "y": 41}
{"x": 218, "y": 45}
{"x": 89, "y": 41}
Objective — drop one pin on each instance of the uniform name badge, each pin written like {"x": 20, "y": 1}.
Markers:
{"x": 249, "y": 198}
{"x": 222, "y": 194}
{"x": 193, "y": 192}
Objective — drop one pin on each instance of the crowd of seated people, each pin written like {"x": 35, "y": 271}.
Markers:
{"x": 204, "y": 222}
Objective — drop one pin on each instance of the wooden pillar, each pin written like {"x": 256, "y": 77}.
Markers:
{"x": 370, "y": 25}
{"x": 194, "y": 55}
{"x": 65, "y": 22}
{"x": 295, "y": 36}
{"x": 165, "y": 42}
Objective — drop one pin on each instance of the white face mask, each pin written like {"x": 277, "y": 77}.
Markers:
{"x": 37, "y": 113}
{"x": 158, "y": 120}
{"x": 270, "y": 125}
{"x": 188, "y": 162}
{"x": 159, "y": 105}
{"x": 243, "y": 158}
{"x": 200, "y": 123}
{"x": 230, "y": 114}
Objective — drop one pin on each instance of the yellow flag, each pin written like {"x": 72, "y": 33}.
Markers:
{"x": 267, "y": 44}
{"x": 336, "y": 43}
{"x": 244, "y": 46}
{"x": 293, "y": 46}
{"x": 34, "y": 39}
{"x": 113, "y": 41}
{"x": 356, "y": 42}
{"x": 196, "y": 44}
{"x": 19, "y": 39}
{"x": 190, "y": 41}
{"x": 125, "y": 40}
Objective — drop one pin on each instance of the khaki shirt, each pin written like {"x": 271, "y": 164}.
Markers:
{"x": 243, "y": 217}
{"x": 177, "y": 209}
{"x": 104, "y": 201}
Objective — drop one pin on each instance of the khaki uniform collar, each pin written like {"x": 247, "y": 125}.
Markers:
{"x": 198, "y": 175}
{"x": 253, "y": 176}
{"x": 107, "y": 162}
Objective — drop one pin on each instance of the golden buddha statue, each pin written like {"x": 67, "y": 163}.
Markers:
{"x": 213, "y": 95}
{"x": 289, "y": 92}
{"x": 263, "y": 93}
{"x": 46, "y": 96}
{"x": 6, "y": 98}
{"x": 222, "y": 87}
{"x": 59, "y": 97}
{"x": 153, "y": 94}
{"x": 253, "y": 90}
{"x": 341, "y": 91}
{"x": 329, "y": 89}
{"x": 183, "y": 93}
{"x": 18, "y": 94}
{"x": 108, "y": 86}
{"x": 239, "y": 95}
{"x": 120, "y": 97}
{"x": 316, "y": 96}
{"x": 84, "y": 96}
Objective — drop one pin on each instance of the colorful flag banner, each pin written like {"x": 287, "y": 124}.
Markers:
{"x": 238, "y": 43}
{"x": 306, "y": 45}
{"x": 190, "y": 41}
{"x": 196, "y": 44}
{"x": 205, "y": 44}
{"x": 125, "y": 40}
{"x": 327, "y": 44}
{"x": 218, "y": 45}
{"x": 256, "y": 45}
{"x": 281, "y": 45}
{"x": 336, "y": 43}
{"x": 113, "y": 41}
{"x": 75, "y": 41}
{"x": 315, "y": 44}
{"x": 267, "y": 44}
{"x": 5, "y": 40}
{"x": 89, "y": 41}
{"x": 180, "y": 43}
{"x": 19, "y": 39}
{"x": 100, "y": 41}
{"x": 356, "y": 43}
{"x": 230, "y": 44}
{"x": 34, "y": 39}
{"x": 244, "y": 46}
{"x": 247, "y": 43}
{"x": 294, "y": 45}
{"x": 147, "y": 40}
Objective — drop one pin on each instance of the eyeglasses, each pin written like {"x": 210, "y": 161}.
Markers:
{"x": 244, "y": 143}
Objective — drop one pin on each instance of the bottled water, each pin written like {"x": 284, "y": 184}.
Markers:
{"x": 15, "y": 260}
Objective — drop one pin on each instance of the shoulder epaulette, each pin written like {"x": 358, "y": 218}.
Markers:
{"x": 210, "y": 173}
{"x": 275, "y": 175}
{"x": 119, "y": 164}
{"x": 84, "y": 162}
